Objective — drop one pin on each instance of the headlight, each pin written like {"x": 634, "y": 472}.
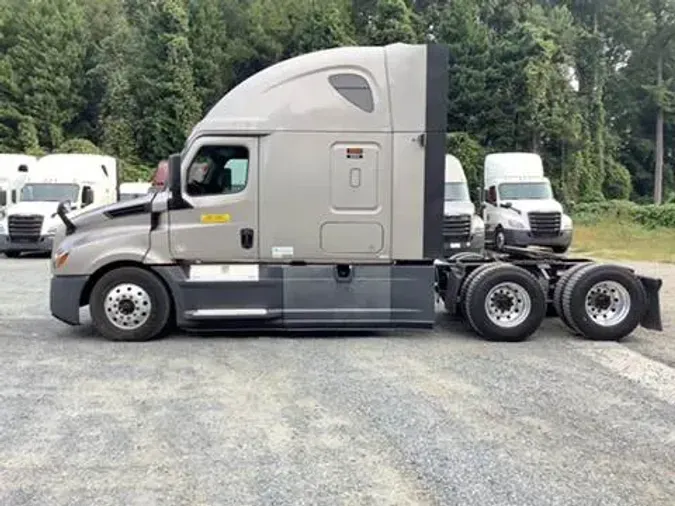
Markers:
{"x": 566, "y": 223}
{"x": 515, "y": 224}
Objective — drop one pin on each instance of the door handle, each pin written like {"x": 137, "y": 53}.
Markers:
{"x": 246, "y": 236}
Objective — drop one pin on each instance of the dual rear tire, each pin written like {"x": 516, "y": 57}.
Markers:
{"x": 600, "y": 302}
{"x": 503, "y": 302}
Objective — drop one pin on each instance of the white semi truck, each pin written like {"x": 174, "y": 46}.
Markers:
{"x": 80, "y": 180}
{"x": 463, "y": 229}
{"x": 311, "y": 197}
{"x": 13, "y": 174}
{"x": 519, "y": 208}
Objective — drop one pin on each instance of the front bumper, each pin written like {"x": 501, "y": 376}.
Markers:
{"x": 42, "y": 245}
{"x": 64, "y": 298}
{"x": 525, "y": 238}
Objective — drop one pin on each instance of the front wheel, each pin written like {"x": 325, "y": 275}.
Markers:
{"x": 504, "y": 303}
{"x": 130, "y": 304}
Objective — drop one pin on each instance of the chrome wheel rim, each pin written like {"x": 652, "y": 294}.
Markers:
{"x": 508, "y": 305}
{"x": 607, "y": 303}
{"x": 127, "y": 306}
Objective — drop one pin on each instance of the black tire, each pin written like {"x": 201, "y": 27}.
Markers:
{"x": 578, "y": 290}
{"x": 466, "y": 256}
{"x": 467, "y": 281}
{"x": 12, "y": 254}
{"x": 558, "y": 292}
{"x": 158, "y": 320}
{"x": 560, "y": 249}
{"x": 478, "y": 291}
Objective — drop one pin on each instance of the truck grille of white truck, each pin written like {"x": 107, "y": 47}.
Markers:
{"x": 545, "y": 224}
{"x": 25, "y": 228}
{"x": 457, "y": 228}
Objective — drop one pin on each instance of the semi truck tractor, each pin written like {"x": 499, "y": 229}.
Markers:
{"x": 311, "y": 197}
{"x": 519, "y": 207}
{"x": 463, "y": 229}
{"x": 79, "y": 180}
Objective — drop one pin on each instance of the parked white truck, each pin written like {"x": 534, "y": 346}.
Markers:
{"x": 463, "y": 229}
{"x": 311, "y": 197}
{"x": 519, "y": 208}
{"x": 13, "y": 173}
{"x": 133, "y": 190}
{"x": 81, "y": 180}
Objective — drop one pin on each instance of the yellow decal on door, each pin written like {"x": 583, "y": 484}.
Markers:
{"x": 215, "y": 218}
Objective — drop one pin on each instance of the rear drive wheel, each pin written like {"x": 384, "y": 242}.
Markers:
{"x": 12, "y": 254}
{"x": 558, "y": 292}
{"x": 467, "y": 281}
{"x": 604, "y": 302}
{"x": 505, "y": 303}
{"x": 130, "y": 304}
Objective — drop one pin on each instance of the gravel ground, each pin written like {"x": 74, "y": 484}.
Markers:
{"x": 438, "y": 418}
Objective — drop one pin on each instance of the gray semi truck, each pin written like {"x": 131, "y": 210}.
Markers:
{"x": 311, "y": 197}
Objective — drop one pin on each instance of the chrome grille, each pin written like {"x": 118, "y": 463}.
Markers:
{"x": 545, "y": 224}
{"x": 25, "y": 227}
{"x": 457, "y": 227}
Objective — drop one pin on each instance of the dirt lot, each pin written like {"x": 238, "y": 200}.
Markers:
{"x": 437, "y": 418}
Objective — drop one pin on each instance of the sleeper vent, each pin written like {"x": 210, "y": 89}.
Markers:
{"x": 355, "y": 89}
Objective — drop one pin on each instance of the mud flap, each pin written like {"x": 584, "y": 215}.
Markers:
{"x": 652, "y": 317}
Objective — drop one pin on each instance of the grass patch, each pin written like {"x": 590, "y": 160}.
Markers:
{"x": 624, "y": 241}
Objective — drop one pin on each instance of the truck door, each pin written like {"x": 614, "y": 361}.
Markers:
{"x": 220, "y": 182}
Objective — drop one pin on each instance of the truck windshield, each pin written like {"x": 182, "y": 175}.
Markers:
{"x": 525, "y": 191}
{"x": 49, "y": 192}
{"x": 456, "y": 192}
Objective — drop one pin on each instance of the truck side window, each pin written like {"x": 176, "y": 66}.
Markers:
{"x": 492, "y": 195}
{"x": 218, "y": 170}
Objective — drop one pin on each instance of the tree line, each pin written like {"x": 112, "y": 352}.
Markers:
{"x": 588, "y": 84}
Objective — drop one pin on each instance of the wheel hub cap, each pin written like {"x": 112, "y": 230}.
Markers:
{"x": 607, "y": 303}
{"x": 508, "y": 305}
{"x": 127, "y": 306}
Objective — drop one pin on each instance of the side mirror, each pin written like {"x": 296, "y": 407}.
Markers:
{"x": 87, "y": 196}
{"x": 174, "y": 179}
{"x": 3, "y": 198}
{"x": 507, "y": 205}
{"x": 23, "y": 168}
